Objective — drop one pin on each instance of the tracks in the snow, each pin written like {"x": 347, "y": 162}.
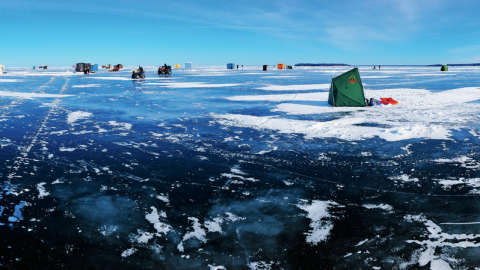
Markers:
{"x": 21, "y": 159}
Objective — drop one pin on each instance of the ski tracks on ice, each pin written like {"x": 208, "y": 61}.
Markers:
{"x": 20, "y": 100}
{"x": 19, "y": 160}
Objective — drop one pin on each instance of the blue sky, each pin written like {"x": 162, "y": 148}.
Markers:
{"x": 216, "y": 32}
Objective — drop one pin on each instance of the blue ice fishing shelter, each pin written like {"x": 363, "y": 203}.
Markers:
{"x": 94, "y": 67}
{"x": 189, "y": 66}
{"x": 230, "y": 65}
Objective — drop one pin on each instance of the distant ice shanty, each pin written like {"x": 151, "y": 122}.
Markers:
{"x": 94, "y": 67}
{"x": 189, "y": 66}
{"x": 230, "y": 66}
{"x": 2, "y": 69}
{"x": 444, "y": 68}
{"x": 265, "y": 67}
{"x": 281, "y": 66}
{"x": 81, "y": 67}
{"x": 177, "y": 65}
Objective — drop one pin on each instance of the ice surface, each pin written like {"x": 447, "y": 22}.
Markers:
{"x": 239, "y": 169}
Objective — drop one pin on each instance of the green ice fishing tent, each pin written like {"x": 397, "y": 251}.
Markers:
{"x": 346, "y": 90}
{"x": 444, "y": 68}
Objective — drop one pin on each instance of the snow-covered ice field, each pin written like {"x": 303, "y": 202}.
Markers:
{"x": 239, "y": 169}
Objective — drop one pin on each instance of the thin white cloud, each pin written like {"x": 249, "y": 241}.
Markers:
{"x": 466, "y": 49}
{"x": 336, "y": 23}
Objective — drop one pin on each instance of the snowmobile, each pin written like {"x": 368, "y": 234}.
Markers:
{"x": 165, "y": 70}
{"x": 138, "y": 73}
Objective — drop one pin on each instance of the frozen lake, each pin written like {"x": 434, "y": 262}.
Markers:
{"x": 239, "y": 169}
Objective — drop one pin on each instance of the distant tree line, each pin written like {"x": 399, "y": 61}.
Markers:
{"x": 456, "y": 65}
{"x": 320, "y": 65}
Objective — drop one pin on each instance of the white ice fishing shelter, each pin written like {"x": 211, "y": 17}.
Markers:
{"x": 2, "y": 69}
{"x": 189, "y": 66}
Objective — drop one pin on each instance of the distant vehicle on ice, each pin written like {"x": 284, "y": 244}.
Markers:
{"x": 165, "y": 70}
{"x": 138, "y": 73}
{"x": 117, "y": 68}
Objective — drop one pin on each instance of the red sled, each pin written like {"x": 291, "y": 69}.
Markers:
{"x": 386, "y": 101}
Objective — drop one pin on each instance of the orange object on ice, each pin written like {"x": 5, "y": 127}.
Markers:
{"x": 386, "y": 101}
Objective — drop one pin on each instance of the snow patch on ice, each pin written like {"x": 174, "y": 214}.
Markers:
{"x": 142, "y": 238}
{"x": 163, "y": 197}
{"x": 344, "y": 128}
{"x": 275, "y": 148}
{"x": 303, "y": 87}
{"x": 448, "y": 183}
{"x": 465, "y": 162}
{"x": 112, "y": 78}
{"x": 31, "y": 95}
{"x": 64, "y": 149}
{"x": 74, "y": 116}
{"x": 435, "y": 239}
{"x": 375, "y": 77}
{"x": 214, "y": 225}
{"x": 261, "y": 265}
{"x": 154, "y": 218}
{"x": 214, "y": 267}
{"x": 420, "y": 114}
{"x": 129, "y": 252}
{"x": 121, "y": 126}
{"x": 42, "y": 191}
{"x": 197, "y": 233}
{"x": 382, "y": 206}
{"x": 403, "y": 178}
{"x": 320, "y": 224}
{"x": 193, "y": 85}
{"x": 10, "y": 80}
{"x": 86, "y": 85}
{"x": 361, "y": 242}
